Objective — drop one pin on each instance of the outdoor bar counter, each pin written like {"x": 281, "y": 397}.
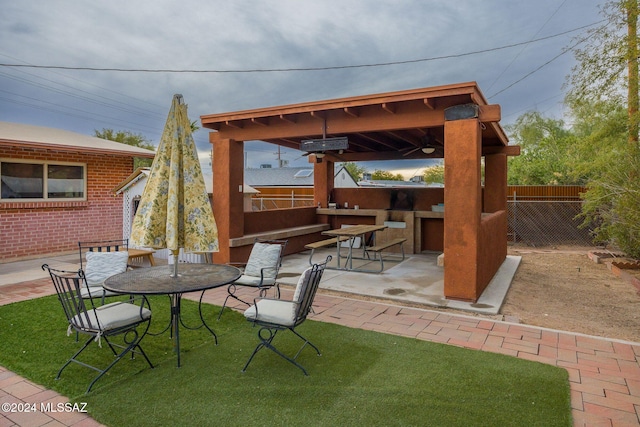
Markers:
{"x": 424, "y": 230}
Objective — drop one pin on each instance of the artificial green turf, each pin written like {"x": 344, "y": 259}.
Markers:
{"x": 362, "y": 377}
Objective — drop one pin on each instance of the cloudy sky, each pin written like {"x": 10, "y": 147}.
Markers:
{"x": 253, "y": 54}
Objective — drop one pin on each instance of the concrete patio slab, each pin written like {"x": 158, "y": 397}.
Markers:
{"x": 416, "y": 280}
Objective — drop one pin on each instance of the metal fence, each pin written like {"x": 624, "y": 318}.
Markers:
{"x": 547, "y": 223}
{"x": 266, "y": 203}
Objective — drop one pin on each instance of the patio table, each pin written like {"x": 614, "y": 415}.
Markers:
{"x": 352, "y": 232}
{"x": 159, "y": 281}
{"x": 137, "y": 256}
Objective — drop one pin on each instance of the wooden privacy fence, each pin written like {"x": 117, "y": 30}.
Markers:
{"x": 545, "y": 192}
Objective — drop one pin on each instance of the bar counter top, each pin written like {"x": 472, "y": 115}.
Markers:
{"x": 375, "y": 212}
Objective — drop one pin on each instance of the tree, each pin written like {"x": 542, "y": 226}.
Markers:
{"x": 434, "y": 174}
{"x": 354, "y": 170}
{"x": 386, "y": 176}
{"x": 546, "y": 148}
{"x": 129, "y": 138}
{"x": 598, "y": 84}
{"x": 608, "y": 50}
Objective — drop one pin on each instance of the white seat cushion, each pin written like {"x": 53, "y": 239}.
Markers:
{"x": 246, "y": 280}
{"x": 278, "y": 311}
{"x": 304, "y": 278}
{"x": 114, "y": 315}
{"x": 102, "y": 265}
{"x": 263, "y": 256}
{"x": 273, "y": 311}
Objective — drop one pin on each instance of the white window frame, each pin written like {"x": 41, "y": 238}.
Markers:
{"x": 45, "y": 189}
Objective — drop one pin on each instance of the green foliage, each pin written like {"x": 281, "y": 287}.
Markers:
{"x": 601, "y": 56}
{"x": 600, "y": 137}
{"x": 546, "y": 152}
{"x": 434, "y": 174}
{"x": 363, "y": 377}
{"x": 129, "y": 138}
{"x": 604, "y": 100}
{"x": 386, "y": 176}
{"x": 612, "y": 201}
{"x": 354, "y": 170}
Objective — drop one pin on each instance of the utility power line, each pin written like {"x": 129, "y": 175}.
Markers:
{"x": 271, "y": 70}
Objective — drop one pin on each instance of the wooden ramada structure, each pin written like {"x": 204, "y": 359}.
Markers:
{"x": 455, "y": 119}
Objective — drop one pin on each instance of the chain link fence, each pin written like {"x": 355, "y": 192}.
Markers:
{"x": 547, "y": 223}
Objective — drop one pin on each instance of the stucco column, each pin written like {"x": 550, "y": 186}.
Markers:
{"x": 228, "y": 195}
{"x": 495, "y": 182}
{"x": 323, "y": 181}
{"x": 463, "y": 205}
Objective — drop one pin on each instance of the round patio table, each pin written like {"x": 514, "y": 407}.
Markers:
{"x": 160, "y": 281}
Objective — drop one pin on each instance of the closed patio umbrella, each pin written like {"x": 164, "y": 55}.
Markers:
{"x": 174, "y": 210}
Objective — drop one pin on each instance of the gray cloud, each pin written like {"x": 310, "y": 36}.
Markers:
{"x": 242, "y": 35}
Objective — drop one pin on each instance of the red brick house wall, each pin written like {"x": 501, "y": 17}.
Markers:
{"x": 33, "y": 229}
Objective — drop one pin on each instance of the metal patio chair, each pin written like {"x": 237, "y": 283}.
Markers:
{"x": 260, "y": 271}
{"x": 275, "y": 315}
{"x": 103, "y": 259}
{"x": 100, "y": 323}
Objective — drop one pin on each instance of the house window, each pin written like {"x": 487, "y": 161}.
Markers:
{"x": 42, "y": 181}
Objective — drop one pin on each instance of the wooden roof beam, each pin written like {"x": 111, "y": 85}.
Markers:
{"x": 430, "y": 103}
{"x": 350, "y": 111}
{"x": 288, "y": 118}
{"x": 336, "y": 126}
{"x": 233, "y": 124}
{"x": 401, "y": 137}
{"x": 509, "y": 150}
{"x": 383, "y": 141}
{"x": 384, "y": 155}
{"x": 389, "y": 108}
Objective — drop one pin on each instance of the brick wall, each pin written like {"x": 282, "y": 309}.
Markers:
{"x": 32, "y": 229}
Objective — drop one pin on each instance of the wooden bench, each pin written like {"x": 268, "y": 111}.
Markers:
{"x": 323, "y": 243}
{"x": 280, "y": 234}
{"x": 377, "y": 249}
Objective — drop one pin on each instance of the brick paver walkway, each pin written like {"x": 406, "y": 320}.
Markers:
{"x": 604, "y": 373}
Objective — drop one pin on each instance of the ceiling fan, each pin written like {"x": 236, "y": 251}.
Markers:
{"x": 428, "y": 147}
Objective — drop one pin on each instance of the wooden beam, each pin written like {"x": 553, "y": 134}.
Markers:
{"x": 353, "y": 112}
{"x": 409, "y": 138}
{"x": 490, "y": 113}
{"x": 380, "y": 140}
{"x": 459, "y": 89}
{"x": 430, "y": 103}
{"x": 288, "y": 118}
{"x": 501, "y": 135}
{"x": 382, "y": 122}
{"x": 388, "y": 108}
{"x": 383, "y": 155}
{"x": 260, "y": 121}
{"x": 509, "y": 150}
{"x": 290, "y": 144}
{"x": 232, "y": 124}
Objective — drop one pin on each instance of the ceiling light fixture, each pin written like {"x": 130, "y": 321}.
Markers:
{"x": 428, "y": 149}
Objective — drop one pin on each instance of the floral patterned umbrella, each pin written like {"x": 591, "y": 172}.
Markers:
{"x": 174, "y": 210}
